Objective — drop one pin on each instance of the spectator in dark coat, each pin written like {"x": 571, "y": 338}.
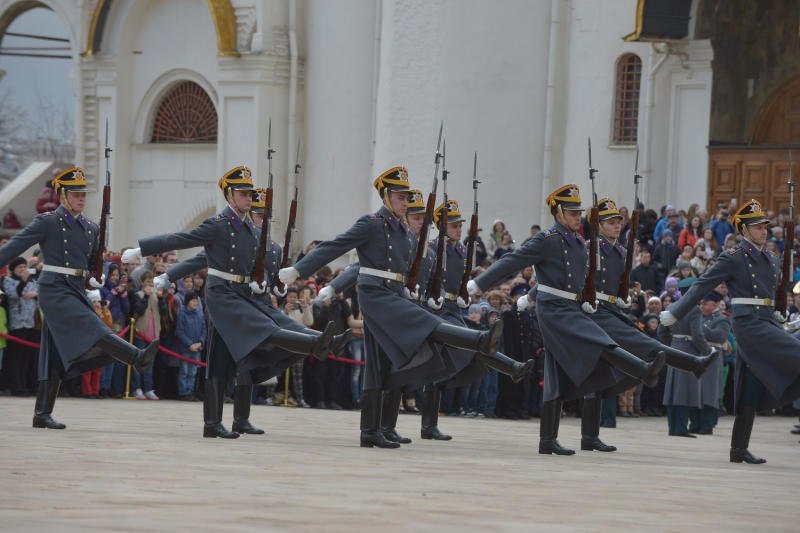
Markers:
{"x": 646, "y": 274}
{"x": 666, "y": 253}
{"x": 191, "y": 332}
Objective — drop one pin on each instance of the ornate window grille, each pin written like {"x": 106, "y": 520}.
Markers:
{"x": 626, "y": 99}
{"x": 185, "y": 115}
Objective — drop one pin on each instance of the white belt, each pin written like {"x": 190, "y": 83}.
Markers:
{"x": 236, "y": 278}
{"x": 77, "y": 272}
{"x": 558, "y": 292}
{"x": 450, "y": 296}
{"x": 606, "y": 297}
{"x": 394, "y": 276}
{"x": 769, "y": 302}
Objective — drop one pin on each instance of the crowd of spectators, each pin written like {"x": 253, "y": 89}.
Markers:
{"x": 671, "y": 246}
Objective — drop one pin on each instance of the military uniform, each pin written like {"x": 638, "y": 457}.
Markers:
{"x": 74, "y": 339}
{"x": 768, "y": 358}
{"x": 580, "y": 358}
{"x": 399, "y": 336}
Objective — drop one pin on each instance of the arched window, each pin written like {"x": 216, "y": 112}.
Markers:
{"x": 185, "y": 115}
{"x": 626, "y": 99}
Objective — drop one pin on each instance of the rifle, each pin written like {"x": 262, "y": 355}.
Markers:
{"x": 589, "y": 289}
{"x": 435, "y": 286}
{"x": 473, "y": 233}
{"x": 422, "y": 242}
{"x": 96, "y": 265}
{"x": 258, "y": 269}
{"x": 787, "y": 273}
{"x": 625, "y": 282}
{"x": 287, "y": 242}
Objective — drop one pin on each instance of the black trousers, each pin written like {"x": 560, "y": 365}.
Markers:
{"x": 325, "y": 377}
{"x": 21, "y": 361}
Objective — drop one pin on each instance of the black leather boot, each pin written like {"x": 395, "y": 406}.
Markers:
{"x": 740, "y": 437}
{"x": 590, "y": 427}
{"x": 305, "y": 343}
{"x": 371, "y": 405}
{"x": 432, "y": 397}
{"x": 548, "y": 429}
{"x": 695, "y": 364}
{"x": 628, "y": 363}
{"x": 505, "y": 365}
{"x": 391, "y": 410}
{"x": 127, "y": 353}
{"x": 45, "y": 400}
{"x": 340, "y": 342}
{"x": 212, "y": 410}
{"x": 242, "y": 398}
{"x": 485, "y": 342}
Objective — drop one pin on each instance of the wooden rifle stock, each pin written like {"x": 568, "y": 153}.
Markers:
{"x": 258, "y": 269}
{"x": 625, "y": 282}
{"x": 435, "y": 290}
{"x": 473, "y": 236}
{"x": 96, "y": 266}
{"x": 781, "y": 303}
{"x": 589, "y": 289}
{"x": 422, "y": 244}
{"x": 287, "y": 242}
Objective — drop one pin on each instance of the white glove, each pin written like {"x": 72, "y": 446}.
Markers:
{"x": 472, "y": 287}
{"x": 97, "y": 284}
{"x": 161, "y": 281}
{"x": 278, "y": 293}
{"x": 132, "y": 255}
{"x": 258, "y": 288}
{"x": 325, "y": 294}
{"x": 667, "y": 318}
{"x": 587, "y": 307}
{"x": 523, "y": 302}
{"x": 288, "y": 275}
{"x": 435, "y": 304}
{"x": 780, "y": 317}
{"x": 624, "y": 304}
{"x": 461, "y": 303}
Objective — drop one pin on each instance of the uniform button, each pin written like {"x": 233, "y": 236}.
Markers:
{"x": 387, "y": 234}
{"x": 67, "y": 263}
{"x": 565, "y": 251}
{"x": 273, "y": 262}
{"x": 233, "y": 235}
{"x": 390, "y": 259}
{"x": 233, "y": 246}
{"x": 66, "y": 251}
{"x": 604, "y": 269}
{"x": 753, "y": 275}
{"x": 390, "y": 246}
{"x": 233, "y": 258}
{"x": 748, "y": 264}
{"x": 569, "y": 275}
{"x": 63, "y": 229}
{"x": 755, "y": 286}
{"x": 65, "y": 240}
{"x": 231, "y": 270}
{"x": 567, "y": 263}
{"x": 569, "y": 286}
{"x": 90, "y": 232}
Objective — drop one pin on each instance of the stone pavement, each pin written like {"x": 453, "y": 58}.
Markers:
{"x": 143, "y": 466}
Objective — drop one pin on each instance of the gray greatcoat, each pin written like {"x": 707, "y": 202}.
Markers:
{"x": 573, "y": 342}
{"x": 71, "y": 324}
{"x": 396, "y": 330}
{"x": 771, "y": 354}
{"x": 682, "y": 388}
{"x": 244, "y": 320}
{"x": 716, "y": 328}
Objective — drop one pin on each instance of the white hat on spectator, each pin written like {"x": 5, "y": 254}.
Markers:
{"x": 94, "y": 296}
{"x": 654, "y": 299}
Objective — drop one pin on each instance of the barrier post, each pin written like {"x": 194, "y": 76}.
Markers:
{"x": 131, "y": 332}
{"x": 286, "y": 390}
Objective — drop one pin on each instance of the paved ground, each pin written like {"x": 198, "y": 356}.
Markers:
{"x": 143, "y": 466}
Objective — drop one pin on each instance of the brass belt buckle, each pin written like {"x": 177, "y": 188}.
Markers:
{"x": 768, "y": 301}
{"x": 79, "y": 272}
{"x": 612, "y": 299}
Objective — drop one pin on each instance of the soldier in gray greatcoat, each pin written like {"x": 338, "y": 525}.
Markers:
{"x": 236, "y": 305}
{"x": 580, "y": 358}
{"x": 399, "y": 335}
{"x": 768, "y": 358}
{"x": 74, "y": 339}
{"x": 716, "y": 327}
{"x": 619, "y": 326}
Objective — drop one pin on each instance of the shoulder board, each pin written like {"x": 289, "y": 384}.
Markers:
{"x": 734, "y": 251}
{"x": 373, "y": 216}
{"x": 217, "y": 218}
{"x": 48, "y": 214}
{"x": 550, "y": 233}
{"x": 726, "y": 313}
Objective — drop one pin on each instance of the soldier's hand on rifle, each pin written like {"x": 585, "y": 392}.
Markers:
{"x": 523, "y": 302}
{"x": 781, "y": 317}
{"x": 589, "y": 308}
{"x": 258, "y": 288}
{"x": 435, "y": 304}
{"x": 278, "y": 293}
{"x": 132, "y": 255}
{"x": 161, "y": 281}
{"x": 667, "y": 318}
{"x": 472, "y": 287}
{"x": 325, "y": 294}
{"x": 461, "y": 303}
{"x": 97, "y": 284}
{"x": 412, "y": 295}
{"x": 623, "y": 304}
{"x": 288, "y": 275}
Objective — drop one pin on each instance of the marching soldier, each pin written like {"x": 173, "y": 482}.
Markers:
{"x": 619, "y": 326}
{"x": 580, "y": 358}
{"x": 768, "y": 358}
{"x": 74, "y": 339}
{"x": 716, "y": 327}
{"x": 249, "y": 327}
{"x": 399, "y": 336}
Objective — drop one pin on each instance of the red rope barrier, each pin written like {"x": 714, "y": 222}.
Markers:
{"x": 343, "y": 360}
{"x": 123, "y": 332}
{"x": 170, "y": 352}
{"x": 20, "y": 341}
